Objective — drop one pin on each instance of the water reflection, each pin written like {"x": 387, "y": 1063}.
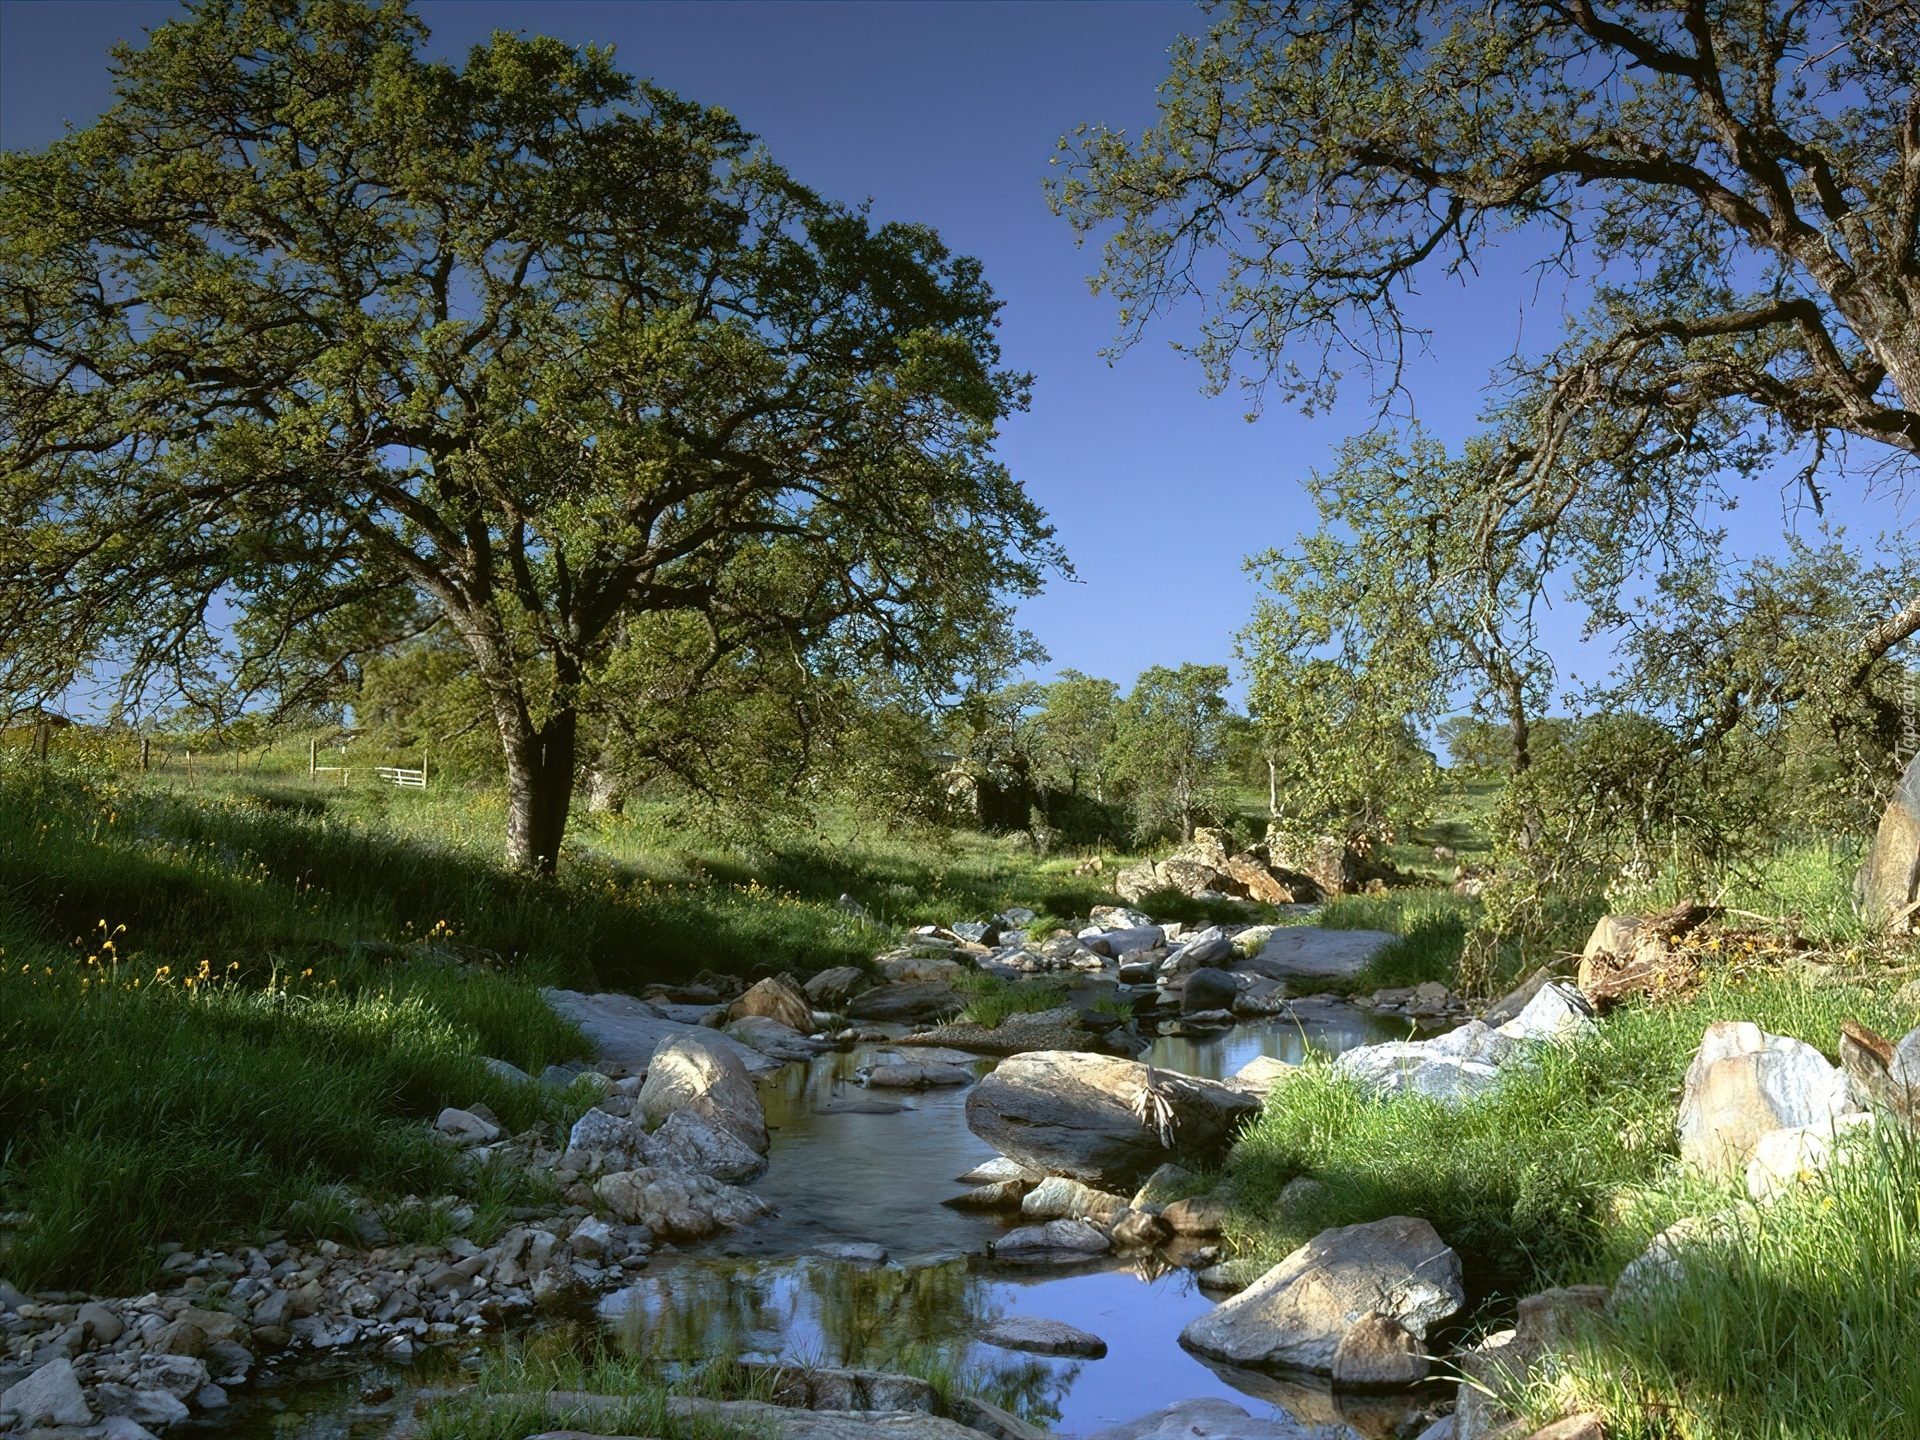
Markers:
{"x": 1328, "y": 1028}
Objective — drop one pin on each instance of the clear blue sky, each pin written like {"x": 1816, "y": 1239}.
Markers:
{"x": 947, "y": 113}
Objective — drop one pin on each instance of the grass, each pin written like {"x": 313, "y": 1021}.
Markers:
{"x": 233, "y": 1006}
{"x": 1805, "y": 1328}
{"x": 994, "y": 998}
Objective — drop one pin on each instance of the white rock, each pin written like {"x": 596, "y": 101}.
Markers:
{"x": 125, "y": 1427}
{"x": 590, "y": 1238}
{"x": 690, "y": 1141}
{"x": 679, "y": 1204}
{"x": 465, "y": 1125}
{"x": 1298, "y": 1312}
{"x": 1557, "y": 1012}
{"x": 1783, "y": 1159}
{"x": 613, "y": 1135}
{"x": 691, "y": 1073}
{"x": 51, "y": 1395}
{"x": 1744, "y": 1083}
{"x": 1207, "y": 1420}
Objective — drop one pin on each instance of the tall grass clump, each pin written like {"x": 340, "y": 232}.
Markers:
{"x": 1796, "y": 1320}
{"x": 1562, "y": 1175}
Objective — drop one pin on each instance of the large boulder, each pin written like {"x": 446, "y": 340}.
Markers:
{"x": 1744, "y": 1083}
{"x": 770, "y": 1037}
{"x": 1881, "y": 1073}
{"x": 1043, "y": 1337}
{"x": 627, "y": 1031}
{"x": 1058, "y": 1242}
{"x": 1208, "y": 989}
{"x": 1467, "y": 1063}
{"x": 1207, "y": 1420}
{"x": 703, "y": 1076}
{"x": 678, "y": 1204}
{"x": 51, "y": 1395}
{"x": 1058, "y": 1029}
{"x": 1888, "y": 886}
{"x": 909, "y": 1000}
{"x": 1309, "y": 950}
{"x": 775, "y": 998}
{"x": 838, "y": 985}
{"x": 1079, "y": 1115}
{"x": 1297, "y": 1314}
{"x": 690, "y": 1141}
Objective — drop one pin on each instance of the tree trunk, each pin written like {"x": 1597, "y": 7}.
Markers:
{"x": 539, "y": 791}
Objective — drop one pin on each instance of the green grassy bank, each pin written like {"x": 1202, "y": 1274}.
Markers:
{"x": 1805, "y": 1324}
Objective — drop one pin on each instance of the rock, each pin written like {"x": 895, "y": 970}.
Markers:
{"x": 693, "y": 1072}
{"x": 141, "y": 1408}
{"x": 998, "y": 1168}
{"x": 1510, "y": 1005}
{"x": 1257, "y": 882}
{"x": 51, "y": 1395}
{"x": 1743, "y": 1083}
{"x": 995, "y": 1195}
{"x": 897, "y": 1073}
{"x": 1043, "y": 1337}
{"x": 977, "y": 932}
{"x": 835, "y": 987}
{"x": 1299, "y": 1197}
{"x": 1782, "y": 1159}
{"x": 1232, "y": 1276}
{"x": 1132, "y": 938}
{"x": 124, "y": 1427}
{"x": 1554, "y": 1318}
{"x": 913, "y": 1000}
{"x": 1058, "y": 1242}
{"x": 622, "y": 1140}
{"x": 1588, "y": 1425}
{"x": 990, "y": 1420}
{"x": 1297, "y": 1313}
{"x": 1204, "y": 1420}
{"x": 466, "y": 1126}
{"x": 1208, "y": 990}
{"x": 779, "y": 1422}
{"x": 1197, "y": 1215}
{"x": 1073, "y": 1114}
{"x": 178, "y": 1375}
{"x": 778, "y": 999}
{"x": 923, "y": 969}
{"x": 1379, "y": 1350}
{"x": 1259, "y": 1075}
{"x": 179, "y": 1337}
{"x": 1166, "y": 1184}
{"x": 1058, "y": 1029}
{"x": 1888, "y": 886}
{"x": 773, "y": 1039}
{"x": 210, "y": 1397}
{"x": 853, "y": 1252}
{"x": 590, "y": 1238}
{"x": 1881, "y": 1073}
{"x": 1138, "y": 1229}
{"x": 1464, "y": 1064}
{"x": 1310, "y": 950}
{"x": 627, "y": 1031}
{"x": 1333, "y": 867}
{"x": 1057, "y": 1198}
{"x": 507, "y": 1071}
{"x": 690, "y": 1141}
{"x": 1668, "y": 1254}
{"x": 100, "y": 1322}
{"x": 678, "y": 1204}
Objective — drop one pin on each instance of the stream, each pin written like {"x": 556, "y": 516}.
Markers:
{"x": 849, "y": 1164}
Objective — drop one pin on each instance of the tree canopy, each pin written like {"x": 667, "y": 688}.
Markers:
{"x": 1739, "y": 183}
{"x": 311, "y": 344}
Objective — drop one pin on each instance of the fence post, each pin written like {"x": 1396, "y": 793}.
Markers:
{"x": 313, "y": 756}
{"x": 42, "y": 738}
{"x": 189, "y": 767}
{"x": 146, "y": 753}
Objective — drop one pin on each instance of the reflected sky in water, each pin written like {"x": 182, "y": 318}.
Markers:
{"x": 840, "y": 1171}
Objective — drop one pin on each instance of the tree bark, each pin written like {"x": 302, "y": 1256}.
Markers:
{"x": 539, "y": 790}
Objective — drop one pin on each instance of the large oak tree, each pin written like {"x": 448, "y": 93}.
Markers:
{"x": 311, "y": 330}
{"x": 1737, "y": 180}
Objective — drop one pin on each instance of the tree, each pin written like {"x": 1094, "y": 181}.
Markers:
{"x": 1743, "y": 180}
{"x": 307, "y": 321}
{"x": 1076, "y": 732}
{"x": 1167, "y": 745}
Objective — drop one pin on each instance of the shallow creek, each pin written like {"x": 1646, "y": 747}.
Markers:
{"x": 855, "y": 1165}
